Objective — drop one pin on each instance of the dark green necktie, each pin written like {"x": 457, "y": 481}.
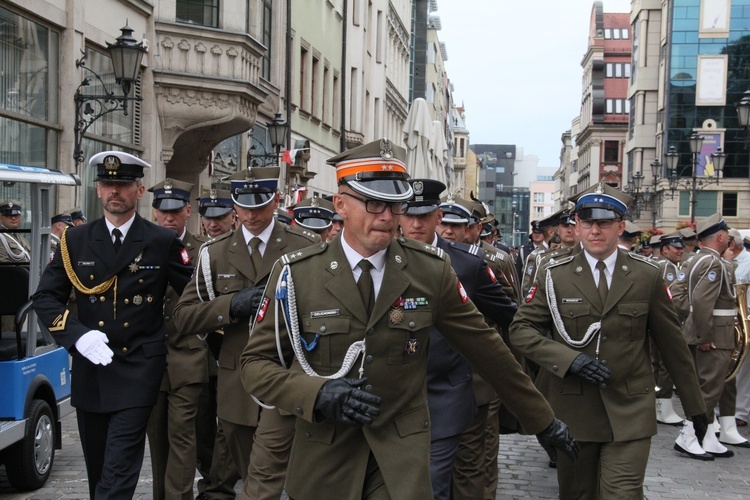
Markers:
{"x": 365, "y": 285}
{"x": 255, "y": 256}
{"x": 603, "y": 288}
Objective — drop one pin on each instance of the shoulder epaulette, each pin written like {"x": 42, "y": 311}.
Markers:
{"x": 302, "y": 254}
{"x": 465, "y": 247}
{"x": 640, "y": 258}
{"x": 218, "y": 238}
{"x": 422, "y": 247}
{"x": 554, "y": 255}
{"x": 554, "y": 262}
{"x": 313, "y": 237}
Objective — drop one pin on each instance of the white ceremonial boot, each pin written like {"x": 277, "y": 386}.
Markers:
{"x": 713, "y": 427}
{"x": 687, "y": 443}
{"x": 665, "y": 413}
{"x": 729, "y": 433}
{"x": 712, "y": 445}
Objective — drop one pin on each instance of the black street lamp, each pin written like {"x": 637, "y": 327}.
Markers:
{"x": 277, "y": 131}
{"x": 673, "y": 160}
{"x": 656, "y": 172}
{"x": 743, "y": 115}
{"x": 126, "y": 54}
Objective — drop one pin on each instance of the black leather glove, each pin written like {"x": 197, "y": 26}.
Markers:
{"x": 589, "y": 369}
{"x": 700, "y": 424}
{"x": 245, "y": 303}
{"x": 341, "y": 401}
{"x": 557, "y": 436}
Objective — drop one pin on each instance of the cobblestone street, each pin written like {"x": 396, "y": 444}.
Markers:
{"x": 523, "y": 472}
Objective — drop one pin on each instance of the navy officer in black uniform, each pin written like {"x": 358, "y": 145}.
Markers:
{"x": 119, "y": 267}
{"x": 450, "y": 396}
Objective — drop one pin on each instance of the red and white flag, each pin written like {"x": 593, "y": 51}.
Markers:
{"x": 288, "y": 156}
{"x": 299, "y": 194}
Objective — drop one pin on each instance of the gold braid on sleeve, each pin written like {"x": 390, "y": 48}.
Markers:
{"x": 73, "y": 277}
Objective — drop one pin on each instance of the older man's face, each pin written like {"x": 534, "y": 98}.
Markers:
{"x": 365, "y": 232}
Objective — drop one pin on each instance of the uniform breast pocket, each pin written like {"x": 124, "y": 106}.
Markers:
{"x": 577, "y": 319}
{"x": 326, "y": 341}
{"x": 632, "y": 320}
{"x": 408, "y": 339}
{"x": 223, "y": 286}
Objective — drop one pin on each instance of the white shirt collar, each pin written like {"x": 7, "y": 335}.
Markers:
{"x": 264, "y": 236}
{"x": 435, "y": 240}
{"x": 609, "y": 262}
{"x": 353, "y": 257}
{"x": 123, "y": 229}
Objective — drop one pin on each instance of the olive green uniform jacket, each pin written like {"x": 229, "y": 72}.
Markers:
{"x": 329, "y": 460}
{"x": 623, "y": 407}
{"x": 231, "y": 271}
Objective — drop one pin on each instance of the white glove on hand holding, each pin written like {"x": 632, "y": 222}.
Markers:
{"x": 93, "y": 346}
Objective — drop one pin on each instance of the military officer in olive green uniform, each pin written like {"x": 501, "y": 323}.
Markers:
{"x": 225, "y": 295}
{"x": 360, "y": 311}
{"x": 705, "y": 289}
{"x": 601, "y": 306}
{"x": 14, "y": 248}
{"x": 314, "y": 214}
{"x": 671, "y": 250}
{"x": 689, "y": 241}
{"x": 171, "y": 428}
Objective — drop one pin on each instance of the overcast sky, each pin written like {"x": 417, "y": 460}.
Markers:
{"x": 516, "y": 66}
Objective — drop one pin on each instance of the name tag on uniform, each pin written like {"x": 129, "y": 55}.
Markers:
{"x": 323, "y": 314}
{"x": 85, "y": 263}
{"x": 227, "y": 276}
{"x": 572, "y": 301}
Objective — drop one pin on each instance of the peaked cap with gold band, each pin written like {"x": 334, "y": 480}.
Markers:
{"x": 376, "y": 170}
{"x": 117, "y": 166}
{"x": 313, "y": 213}
{"x": 254, "y": 187}
{"x": 171, "y": 194}
{"x": 602, "y": 202}
{"x": 214, "y": 203}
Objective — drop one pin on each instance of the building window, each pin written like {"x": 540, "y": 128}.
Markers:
{"x": 617, "y": 106}
{"x": 705, "y": 203}
{"x": 611, "y": 151}
{"x": 729, "y": 204}
{"x": 30, "y": 88}
{"x": 616, "y": 33}
{"x": 201, "y": 12}
{"x": 315, "y": 84}
{"x": 326, "y": 95}
{"x": 336, "y": 100}
{"x": 538, "y": 197}
{"x": 303, "y": 53}
{"x": 265, "y": 69}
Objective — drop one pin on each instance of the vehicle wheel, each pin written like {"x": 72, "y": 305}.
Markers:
{"x": 30, "y": 460}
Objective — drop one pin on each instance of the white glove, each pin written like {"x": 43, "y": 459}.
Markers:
{"x": 93, "y": 346}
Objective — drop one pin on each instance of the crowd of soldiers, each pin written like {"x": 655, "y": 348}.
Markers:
{"x": 376, "y": 343}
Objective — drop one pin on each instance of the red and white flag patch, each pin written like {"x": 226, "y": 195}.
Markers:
{"x": 462, "y": 293}
{"x": 669, "y": 293}
{"x": 185, "y": 256}
{"x": 262, "y": 310}
{"x": 530, "y": 295}
{"x": 492, "y": 275}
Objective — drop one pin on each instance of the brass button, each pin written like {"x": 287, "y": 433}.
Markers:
{"x": 126, "y": 301}
{"x": 91, "y": 277}
{"x": 124, "y": 349}
{"x": 126, "y": 324}
{"x": 102, "y": 299}
{"x": 140, "y": 281}
{"x": 101, "y": 323}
